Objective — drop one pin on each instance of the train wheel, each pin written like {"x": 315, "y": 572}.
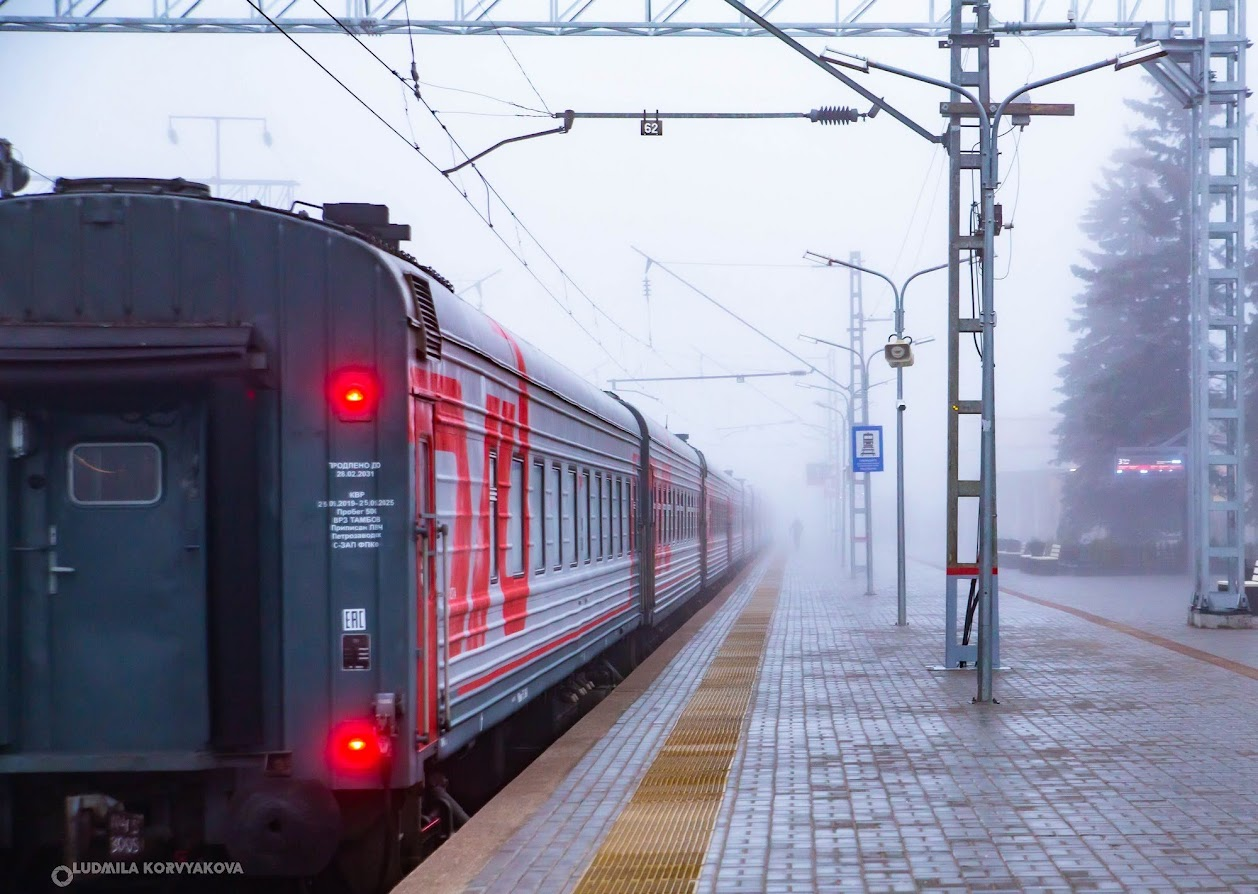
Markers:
{"x": 369, "y": 858}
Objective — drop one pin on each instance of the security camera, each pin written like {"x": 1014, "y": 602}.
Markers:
{"x": 900, "y": 405}
{"x": 899, "y": 352}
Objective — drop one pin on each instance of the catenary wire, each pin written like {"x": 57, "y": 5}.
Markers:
{"x": 488, "y": 186}
{"x": 516, "y": 60}
{"x": 437, "y": 168}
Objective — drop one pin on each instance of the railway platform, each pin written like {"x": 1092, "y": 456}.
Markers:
{"x": 791, "y": 738}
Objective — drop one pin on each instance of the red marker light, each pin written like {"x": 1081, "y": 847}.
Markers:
{"x": 354, "y": 394}
{"x": 355, "y": 747}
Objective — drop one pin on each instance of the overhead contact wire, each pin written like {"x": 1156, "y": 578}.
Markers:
{"x": 488, "y": 186}
{"x": 437, "y": 168}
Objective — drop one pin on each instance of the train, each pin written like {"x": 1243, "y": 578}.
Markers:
{"x": 287, "y": 525}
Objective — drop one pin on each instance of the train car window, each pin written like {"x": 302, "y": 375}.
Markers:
{"x": 605, "y": 517}
{"x": 515, "y": 519}
{"x": 491, "y": 480}
{"x": 655, "y": 510}
{"x": 554, "y": 517}
{"x": 597, "y": 516}
{"x": 573, "y": 502}
{"x": 586, "y": 551}
{"x": 115, "y": 474}
{"x": 537, "y": 517}
{"x": 661, "y": 524}
{"x": 615, "y": 512}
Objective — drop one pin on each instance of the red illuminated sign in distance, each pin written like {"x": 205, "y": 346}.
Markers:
{"x": 1162, "y": 463}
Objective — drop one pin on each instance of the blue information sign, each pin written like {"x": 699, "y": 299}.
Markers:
{"x": 866, "y": 448}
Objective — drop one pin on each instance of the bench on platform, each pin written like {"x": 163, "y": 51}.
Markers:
{"x": 1251, "y": 588}
{"x": 1046, "y": 563}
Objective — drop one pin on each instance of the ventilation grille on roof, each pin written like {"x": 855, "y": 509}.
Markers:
{"x": 426, "y": 314}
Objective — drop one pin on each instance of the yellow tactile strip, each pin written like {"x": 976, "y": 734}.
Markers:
{"x": 658, "y": 843}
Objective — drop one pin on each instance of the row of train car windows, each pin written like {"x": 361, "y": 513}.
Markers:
{"x": 577, "y": 516}
{"x": 676, "y": 514}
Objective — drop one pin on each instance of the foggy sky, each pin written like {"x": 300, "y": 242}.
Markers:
{"x": 702, "y": 198}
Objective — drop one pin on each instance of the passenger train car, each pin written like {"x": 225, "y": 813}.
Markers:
{"x": 286, "y": 524}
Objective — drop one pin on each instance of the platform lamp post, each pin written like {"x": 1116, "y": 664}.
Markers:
{"x": 901, "y": 584}
{"x": 864, "y": 391}
{"x": 989, "y": 159}
{"x": 217, "y": 121}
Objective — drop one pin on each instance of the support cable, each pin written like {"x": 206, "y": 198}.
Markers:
{"x": 770, "y": 339}
{"x": 488, "y": 186}
{"x": 437, "y": 168}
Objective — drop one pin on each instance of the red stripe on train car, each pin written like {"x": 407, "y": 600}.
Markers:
{"x": 515, "y": 591}
{"x": 541, "y": 650}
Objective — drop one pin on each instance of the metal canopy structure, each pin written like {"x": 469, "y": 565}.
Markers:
{"x": 644, "y": 18}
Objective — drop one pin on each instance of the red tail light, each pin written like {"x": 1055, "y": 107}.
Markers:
{"x": 354, "y": 394}
{"x": 355, "y": 746}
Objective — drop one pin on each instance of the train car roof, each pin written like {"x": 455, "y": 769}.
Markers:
{"x": 478, "y": 332}
{"x": 456, "y": 319}
{"x": 679, "y": 447}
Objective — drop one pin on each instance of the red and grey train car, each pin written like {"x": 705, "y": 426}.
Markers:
{"x": 285, "y": 522}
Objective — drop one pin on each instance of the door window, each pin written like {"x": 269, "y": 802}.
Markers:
{"x": 115, "y": 474}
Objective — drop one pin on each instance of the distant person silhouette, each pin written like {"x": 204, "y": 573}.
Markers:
{"x": 797, "y": 528}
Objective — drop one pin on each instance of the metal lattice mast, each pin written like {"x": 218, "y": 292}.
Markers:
{"x": 836, "y": 433}
{"x": 859, "y": 507}
{"x": 964, "y": 250}
{"x": 1218, "y": 300}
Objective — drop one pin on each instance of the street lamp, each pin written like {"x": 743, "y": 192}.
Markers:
{"x": 901, "y": 585}
{"x": 989, "y": 131}
{"x": 864, "y": 391}
{"x": 217, "y": 120}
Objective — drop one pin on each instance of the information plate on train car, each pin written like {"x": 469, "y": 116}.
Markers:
{"x": 355, "y": 651}
{"x": 126, "y": 834}
{"x": 866, "y": 448}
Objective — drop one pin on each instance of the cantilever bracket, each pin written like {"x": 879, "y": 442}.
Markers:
{"x": 834, "y": 72}
{"x": 568, "y": 117}
{"x": 1171, "y": 76}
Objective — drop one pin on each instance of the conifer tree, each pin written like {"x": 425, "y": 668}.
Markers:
{"x": 1125, "y": 384}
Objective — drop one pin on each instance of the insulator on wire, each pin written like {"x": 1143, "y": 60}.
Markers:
{"x": 834, "y": 115}
{"x": 646, "y": 287}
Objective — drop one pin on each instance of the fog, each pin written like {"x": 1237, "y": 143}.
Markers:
{"x": 728, "y": 206}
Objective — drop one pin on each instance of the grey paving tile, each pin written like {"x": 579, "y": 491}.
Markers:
{"x": 1110, "y": 765}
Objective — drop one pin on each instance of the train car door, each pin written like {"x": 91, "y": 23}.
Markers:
{"x": 110, "y": 540}
{"x": 430, "y": 547}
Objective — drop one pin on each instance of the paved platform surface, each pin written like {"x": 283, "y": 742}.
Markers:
{"x": 1111, "y": 763}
